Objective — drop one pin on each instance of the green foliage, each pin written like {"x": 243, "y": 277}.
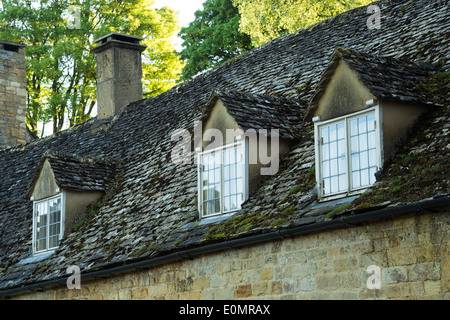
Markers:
{"x": 212, "y": 38}
{"x": 265, "y": 20}
{"x": 61, "y": 70}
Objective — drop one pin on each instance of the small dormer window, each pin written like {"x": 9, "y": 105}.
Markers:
{"x": 222, "y": 179}
{"x": 47, "y": 224}
{"x": 348, "y": 153}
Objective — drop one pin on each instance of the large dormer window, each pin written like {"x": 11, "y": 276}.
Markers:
{"x": 348, "y": 153}
{"x": 48, "y": 224}
{"x": 222, "y": 179}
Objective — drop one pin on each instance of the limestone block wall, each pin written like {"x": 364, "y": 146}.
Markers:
{"x": 13, "y": 105}
{"x": 411, "y": 251}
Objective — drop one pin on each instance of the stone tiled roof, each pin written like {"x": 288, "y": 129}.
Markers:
{"x": 81, "y": 174}
{"x": 407, "y": 80}
{"x": 150, "y": 208}
{"x": 261, "y": 112}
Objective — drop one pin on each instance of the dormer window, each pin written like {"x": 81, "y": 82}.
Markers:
{"x": 348, "y": 153}
{"x": 48, "y": 224}
{"x": 222, "y": 179}
{"x": 61, "y": 190}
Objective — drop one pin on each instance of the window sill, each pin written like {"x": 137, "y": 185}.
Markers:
{"x": 36, "y": 257}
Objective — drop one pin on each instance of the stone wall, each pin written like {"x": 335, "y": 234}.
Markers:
{"x": 411, "y": 251}
{"x": 13, "y": 104}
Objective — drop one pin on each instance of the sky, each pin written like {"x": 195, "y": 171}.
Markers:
{"x": 185, "y": 9}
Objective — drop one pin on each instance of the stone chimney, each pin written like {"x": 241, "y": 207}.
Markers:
{"x": 119, "y": 72}
{"x": 13, "y": 94}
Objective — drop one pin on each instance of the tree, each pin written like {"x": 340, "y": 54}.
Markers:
{"x": 212, "y": 38}
{"x": 61, "y": 69}
{"x": 264, "y": 20}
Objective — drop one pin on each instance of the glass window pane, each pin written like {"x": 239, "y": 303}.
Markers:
{"x": 371, "y": 122}
{"x": 342, "y": 165}
{"x": 364, "y": 160}
{"x": 326, "y": 186}
{"x": 333, "y": 150}
{"x": 325, "y": 151}
{"x": 342, "y": 148}
{"x": 333, "y": 133}
{"x": 343, "y": 182}
{"x": 362, "y": 124}
{"x": 334, "y": 167}
{"x": 334, "y": 184}
{"x": 341, "y": 130}
{"x": 372, "y": 140}
{"x": 324, "y": 135}
{"x": 372, "y": 175}
{"x": 354, "y": 144}
{"x": 364, "y": 177}
{"x": 355, "y": 179}
{"x": 353, "y": 127}
{"x": 363, "y": 141}
{"x": 326, "y": 169}
{"x": 372, "y": 158}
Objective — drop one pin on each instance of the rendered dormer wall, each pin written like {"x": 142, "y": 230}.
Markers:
{"x": 45, "y": 186}
{"x": 344, "y": 94}
{"x": 398, "y": 119}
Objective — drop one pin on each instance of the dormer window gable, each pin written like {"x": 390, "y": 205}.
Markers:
{"x": 63, "y": 186}
{"x": 362, "y": 108}
{"x": 231, "y": 169}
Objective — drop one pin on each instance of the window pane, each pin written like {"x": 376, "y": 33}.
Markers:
{"x": 363, "y": 148}
{"x": 364, "y": 160}
{"x": 363, "y": 141}
{"x": 342, "y": 164}
{"x": 362, "y": 123}
{"x": 354, "y": 142}
{"x": 355, "y": 179}
{"x": 334, "y": 161}
{"x": 372, "y": 175}
{"x": 364, "y": 177}
{"x": 371, "y": 122}
{"x": 353, "y": 127}
{"x": 324, "y": 135}
{"x": 355, "y": 162}
{"x": 326, "y": 186}
{"x": 325, "y": 152}
{"x": 334, "y": 167}
{"x": 233, "y": 193}
{"x": 333, "y": 133}
{"x": 334, "y": 184}
{"x": 341, "y": 130}
{"x": 326, "y": 169}
{"x": 371, "y": 140}
{"x": 343, "y": 182}
{"x": 333, "y": 150}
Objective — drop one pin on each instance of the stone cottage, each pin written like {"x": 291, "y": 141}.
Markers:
{"x": 313, "y": 167}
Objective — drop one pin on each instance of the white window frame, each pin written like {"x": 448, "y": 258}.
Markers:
{"x": 61, "y": 196}
{"x": 376, "y": 110}
{"x": 244, "y": 163}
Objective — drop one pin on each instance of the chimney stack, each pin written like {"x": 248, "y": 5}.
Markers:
{"x": 13, "y": 94}
{"x": 119, "y": 72}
